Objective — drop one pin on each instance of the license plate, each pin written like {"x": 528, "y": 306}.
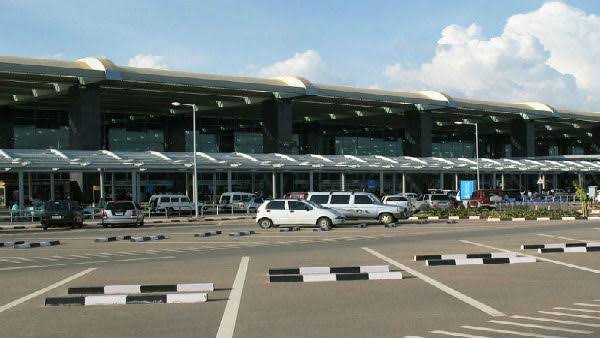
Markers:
{"x": 119, "y": 213}
{"x": 56, "y": 217}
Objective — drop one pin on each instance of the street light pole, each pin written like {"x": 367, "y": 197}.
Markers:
{"x": 195, "y": 176}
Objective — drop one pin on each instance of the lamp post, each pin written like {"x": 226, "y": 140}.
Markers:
{"x": 476, "y": 145}
{"x": 195, "y": 177}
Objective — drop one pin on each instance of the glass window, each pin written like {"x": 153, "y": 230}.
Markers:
{"x": 276, "y": 205}
{"x": 319, "y": 199}
{"x": 185, "y": 199}
{"x": 363, "y": 199}
{"x": 119, "y": 206}
{"x": 164, "y": 199}
{"x": 56, "y": 206}
{"x": 250, "y": 143}
{"x": 297, "y": 205}
{"x": 340, "y": 199}
{"x": 122, "y": 139}
{"x": 440, "y": 197}
{"x": 204, "y": 142}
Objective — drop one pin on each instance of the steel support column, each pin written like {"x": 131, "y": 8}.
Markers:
{"x": 21, "y": 192}
{"x": 274, "y": 184}
{"x": 403, "y": 182}
{"x": 455, "y": 181}
{"x": 343, "y": 181}
{"x": 394, "y": 183}
{"x": 229, "y": 183}
{"x": 311, "y": 181}
{"x": 52, "y": 187}
{"x": 502, "y": 182}
{"x": 442, "y": 181}
{"x": 214, "y": 187}
{"x": 101, "y": 175}
{"x": 29, "y": 187}
{"x": 113, "y": 193}
{"x": 381, "y": 190}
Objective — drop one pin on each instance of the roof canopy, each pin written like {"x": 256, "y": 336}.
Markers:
{"x": 36, "y": 160}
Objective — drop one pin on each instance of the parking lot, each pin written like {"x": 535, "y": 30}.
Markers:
{"x": 555, "y": 296}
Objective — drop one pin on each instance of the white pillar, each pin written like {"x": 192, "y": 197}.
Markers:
{"x": 281, "y": 184}
{"x": 113, "y": 193}
{"x": 21, "y": 192}
{"x": 455, "y": 181}
{"x": 311, "y": 181}
{"x": 403, "y": 182}
{"x": 214, "y": 186}
{"x": 343, "y": 181}
{"x": 442, "y": 181}
{"x": 381, "y": 181}
{"x": 274, "y": 184}
{"x": 520, "y": 182}
{"x": 394, "y": 183}
{"x": 253, "y": 188}
{"x": 229, "y": 183}
{"x": 554, "y": 181}
{"x": 494, "y": 185}
{"x": 581, "y": 178}
{"x": 52, "y": 188}
{"x": 133, "y": 187}
{"x": 29, "y": 187}
{"x": 101, "y": 185}
{"x": 502, "y": 182}
{"x": 187, "y": 185}
{"x": 543, "y": 176}
{"x": 138, "y": 187}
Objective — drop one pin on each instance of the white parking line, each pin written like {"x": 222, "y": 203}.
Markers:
{"x": 516, "y": 333}
{"x": 576, "y": 310}
{"x": 227, "y": 325}
{"x": 568, "y": 315}
{"x": 31, "y": 267}
{"x": 586, "y": 304}
{"x": 582, "y": 268}
{"x": 457, "y": 334}
{"x": 143, "y": 258}
{"x": 543, "y": 327}
{"x": 44, "y": 290}
{"x": 568, "y": 238}
{"x": 475, "y": 303}
{"x": 566, "y": 322}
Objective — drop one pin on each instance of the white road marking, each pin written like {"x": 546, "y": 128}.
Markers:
{"x": 577, "y": 310}
{"x": 227, "y": 325}
{"x": 516, "y": 333}
{"x": 544, "y": 327}
{"x": 457, "y": 334}
{"x": 126, "y": 253}
{"x": 78, "y": 256}
{"x": 44, "y": 290}
{"x": 143, "y": 258}
{"x": 569, "y": 238}
{"x": 31, "y": 266}
{"x": 10, "y": 261}
{"x": 568, "y": 315}
{"x": 582, "y": 268}
{"x": 460, "y": 296}
{"x": 47, "y": 259}
{"x": 586, "y": 304}
{"x": 567, "y": 322}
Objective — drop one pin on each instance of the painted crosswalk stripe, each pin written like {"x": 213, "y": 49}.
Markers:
{"x": 568, "y": 314}
{"x": 566, "y": 322}
{"x": 516, "y": 333}
{"x": 544, "y": 327}
{"x": 576, "y": 310}
{"x": 457, "y": 334}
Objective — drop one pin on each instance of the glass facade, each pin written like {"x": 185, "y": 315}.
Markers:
{"x": 249, "y": 143}
{"x": 204, "y": 142}
{"x": 453, "y": 149}
{"x": 41, "y": 130}
{"x": 121, "y": 139}
{"x": 350, "y": 145}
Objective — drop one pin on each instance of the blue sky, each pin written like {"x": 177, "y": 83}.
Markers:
{"x": 354, "y": 42}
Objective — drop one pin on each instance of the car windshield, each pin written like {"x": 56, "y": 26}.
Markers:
{"x": 119, "y": 206}
{"x": 56, "y": 206}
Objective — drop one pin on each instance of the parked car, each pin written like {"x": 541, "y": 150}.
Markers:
{"x": 428, "y": 201}
{"x": 399, "y": 200}
{"x": 485, "y": 198}
{"x": 359, "y": 205}
{"x": 240, "y": 200}
{"x": 62, "y": 213}
{"x": 295, "y": 212}
{"x": 122, "y": 213}
{"x": 170, "y": 203}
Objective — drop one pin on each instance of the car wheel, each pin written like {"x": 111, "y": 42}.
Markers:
{"x": 386, "y": 218}
{"x": 141, "y": 224}
{"x": 265, "y": 223}
{"x": 324, "y": 223}
{"x": 80, "y": 225}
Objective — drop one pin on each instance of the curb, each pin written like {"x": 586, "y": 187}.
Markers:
{"x": 465, "y": 256}
{"x": 168, "y": 298}
{"x": 502, "y": 219}
{"x": 471, "y": 261}
{"x": 320, "y": 230}
{"x": 556, "y": 245}
{"x": 361, "y": 225}
{"x": 112, "y": 239}
{"x": 333, "y": 277}
{"x": 10, "y": 244}
{"x": 36, "y": 244}
{"x": 148, "y": 238}
{"x": 289, "y": 229}
{"x": 307, "y": 270}
{"x": 136, "y": 289}
{"x": 209, "y": 233}
{"x": 242, "y": 233}
{"x": 390, "y": 225}
{"x": 594, "y": 248}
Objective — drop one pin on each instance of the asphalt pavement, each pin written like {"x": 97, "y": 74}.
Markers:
{"x": 556, "y": 296}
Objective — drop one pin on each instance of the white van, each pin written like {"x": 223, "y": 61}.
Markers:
{"x": 171, "y": 203}
{"x": 240, "y": 200}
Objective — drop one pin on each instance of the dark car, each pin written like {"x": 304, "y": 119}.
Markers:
{"x": 486, "y": 198}
{"x": 62, "y": 213}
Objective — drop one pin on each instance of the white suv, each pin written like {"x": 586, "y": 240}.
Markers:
{"x": 359, "y": 205}
{"x": 171, "y": 203}
{"x": 294, "y": 212}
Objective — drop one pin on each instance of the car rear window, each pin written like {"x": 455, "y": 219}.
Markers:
{"x": 440, "y": 198}
{"x": 362, "y": 199}
{"x": 276, "y": 205}
{"x": 56, "y": 206}
{"x": 119, "y": 206}
{"x": 340, "y": 199}
{"x": 319, "y": 199}
{"x": 396, "y": 199}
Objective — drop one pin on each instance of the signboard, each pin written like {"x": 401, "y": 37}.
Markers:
{"x": 467, "y": 187}
{"x": 371, "y": 184}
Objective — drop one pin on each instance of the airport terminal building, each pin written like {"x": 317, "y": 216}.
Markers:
{"x": 89, "y": 129}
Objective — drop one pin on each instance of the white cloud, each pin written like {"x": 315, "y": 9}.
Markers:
{"x": 550, "y": 55}
{"x": 147, "y": 61}
{"x": 306, "y": 64}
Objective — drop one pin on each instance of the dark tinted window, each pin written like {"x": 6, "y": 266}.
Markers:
{"x": 319, "y": 199}
{"x": 340, "y": 199}
{"x": 276, "y": 205}
{"x": 440, "y": 197}
{"x": 396, "y": 199}
{"x": 258, "y": 200}
{"x": 296, "y": 205}
{"x": 119, "y": 206}
{"x": 56, "y": 205}
{"x": 362, "y": 199}
{"x": 164, "y": 199}
{"x": 185, "y": 199}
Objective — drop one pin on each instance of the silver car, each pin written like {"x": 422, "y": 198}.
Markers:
{"x": 122, "y": 213}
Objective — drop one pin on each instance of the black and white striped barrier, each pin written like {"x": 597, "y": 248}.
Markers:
{"x": 391, "y": 225}
{"x": 464, "y": 256}
{"x": 289, "y": 229}
{"x": 209, "y": 233}
{"x": 137, "y": 289}
{"x": 306, "y": 270}
{"x": 558, "y": 245}
{"x": 169, "y": 298}
{"x": 333, "y": 277}
{"x": 319, "y": 230}
{"x": 10, "y": 244}
{"x": 242, "y": 233}
{"x": 112, "y": 239}
{"x": 148, "y": 238}
{"x": 471, "y": 261}
{"x": 36, "y": 244}
{"x": 592, "y": 248}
